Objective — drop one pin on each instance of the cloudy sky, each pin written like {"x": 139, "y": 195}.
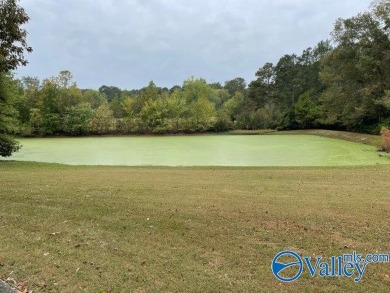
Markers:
{"x": 127, "y": 43}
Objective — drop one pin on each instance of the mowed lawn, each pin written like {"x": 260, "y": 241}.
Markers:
{"x": 128, "y": 229}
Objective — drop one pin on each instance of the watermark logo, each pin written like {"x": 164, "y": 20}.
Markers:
{"x": 287, "y": 266}
{"x": 282, "y": 263}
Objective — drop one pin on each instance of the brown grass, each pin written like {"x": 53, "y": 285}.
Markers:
{"x": 385, "y": 133}
{"x": 118, "y": 229}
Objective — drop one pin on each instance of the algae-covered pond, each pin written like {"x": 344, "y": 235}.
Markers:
{"x": 200, "y": 150}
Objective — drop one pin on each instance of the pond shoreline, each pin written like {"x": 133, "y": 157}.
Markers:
{"x": 200, "y": 150}
{"x": 362, "y": 138}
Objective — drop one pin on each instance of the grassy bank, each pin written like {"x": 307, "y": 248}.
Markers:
{"x": 374, "y": 140}
{"x": 119, "y": 229}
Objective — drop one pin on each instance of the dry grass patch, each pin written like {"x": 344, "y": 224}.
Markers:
{"x": 118, "y": 229}
{"x": 385, "y": 146}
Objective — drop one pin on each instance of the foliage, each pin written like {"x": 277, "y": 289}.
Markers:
{"x": 13, "y": 41}
{"x": 103, "y": 120}
{"x": 307, "y": 112}
{"x": 357, "y": 72}
{"x": 202, "y": 114}
{"x": 36, "y": 121}
{"x": 153, "y": 115}
{"x": 78, "y": 119}
{"x": 279, "y": 87}
{"x": 342, "y": 85}
{"x": 13, "y": 44}
{"x": 8, "y": 121}
{"x": 235, "y": 85}
{"x": 109, "y": 92}
{"x": 8, "y": 145}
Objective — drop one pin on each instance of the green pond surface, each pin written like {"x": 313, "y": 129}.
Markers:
{"x": 200, "y": 150}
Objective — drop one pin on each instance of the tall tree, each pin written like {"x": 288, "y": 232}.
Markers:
{"x": 194, "y": 88}
{"x": 175, "y": 109}
{"x": 7, "y": 117}
{"x": 110, "y": 92}
{"x": 78, "y": 119}
{"x": 50, "y": 107}
{"x": 262, "y": 90}
{"x": 13, "y": 41}
{"x": 357, "y": 71}
{"x": 13, "y": 44}
{"x": 235, "y": 85}
{"x": 103, "y": 121}
{"x": 201, "y": 114}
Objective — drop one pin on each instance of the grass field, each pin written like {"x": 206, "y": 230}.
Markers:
{"x": 129, "y": 229}
{"x": 202, "y": 150}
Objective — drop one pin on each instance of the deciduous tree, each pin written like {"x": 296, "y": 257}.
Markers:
{"x": 13, "y": 45}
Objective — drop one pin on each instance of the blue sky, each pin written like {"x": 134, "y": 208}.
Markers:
{"x": 127, "y": 43}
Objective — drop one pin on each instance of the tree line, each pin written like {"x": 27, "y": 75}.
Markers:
{"x": 340, "y": 84}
